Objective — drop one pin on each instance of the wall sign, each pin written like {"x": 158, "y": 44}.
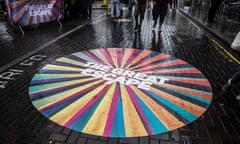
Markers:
{"x": 120, "y": 92}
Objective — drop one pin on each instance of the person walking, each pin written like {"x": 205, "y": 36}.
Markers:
{"x": 160, "y": 8}
{"x": 139, "y": 11}
{"x": 90, "y": 2}
{"x": 215, "y": 4}
{"x": 175, "y": 4}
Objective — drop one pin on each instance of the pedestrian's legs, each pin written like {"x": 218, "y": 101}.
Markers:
{"x": 119, "y": 9}
{"x": 113, "y": 9}
{"x": 90, "y": 10}
{"x": 163, "y": 12}
{"x": 155, "y": 13}
{"x": 142, "y": 14}
{"x": 136, "y": 14}
{"x": 175, "y": 3}
{"x": 213, "y": 9}
{"x": 170, "y": 3}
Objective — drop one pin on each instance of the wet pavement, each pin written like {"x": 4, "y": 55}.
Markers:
{"x": 22, "y": 57}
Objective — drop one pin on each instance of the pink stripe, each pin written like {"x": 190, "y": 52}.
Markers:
{"x": 134, "y": 55}
{"x": 111, "y": 113}
{"x": 106, "y": 55}
{"x": 87, "y": 106}
{"x": 92, "y": 56}
{"x": 139, "y": 109}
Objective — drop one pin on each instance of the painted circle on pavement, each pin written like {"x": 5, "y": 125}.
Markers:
{"x": 120, "y": 92}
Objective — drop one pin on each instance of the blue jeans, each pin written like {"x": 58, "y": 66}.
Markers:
{"x": 115, "y": 10}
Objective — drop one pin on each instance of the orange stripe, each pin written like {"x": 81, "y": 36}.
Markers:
{"x": 188, "y": 106}
{"x": 168, "y": 119}
{"x": 191, "y": 71}
{"x": 197, "y": 82}
{"x": 149, "y": 61}
{"x": 138, "y": 58}
{"x": 169, "y": 64}
{"x": 188, "y": 91}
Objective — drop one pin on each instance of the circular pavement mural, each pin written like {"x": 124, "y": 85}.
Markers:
{"x": 120, "y": 92}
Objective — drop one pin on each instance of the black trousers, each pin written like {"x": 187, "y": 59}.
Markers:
{"x": 213, "y": 9}
{"x": 139, "y": 10}
{"x": 159, "y": 10}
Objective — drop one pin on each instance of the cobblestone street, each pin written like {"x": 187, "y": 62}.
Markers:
{"x": 22, "y": 57}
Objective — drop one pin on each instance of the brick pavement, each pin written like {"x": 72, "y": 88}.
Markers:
{"x": 21, "y": 123}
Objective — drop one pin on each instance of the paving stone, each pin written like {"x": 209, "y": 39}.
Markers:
{"x": 81, "y": 140}
{"x": 57, "y": 137}
{"x": 129, "y": 141}
{"x": 67, "y": 131}
{"x": 144, "y": 140}
{"x": 154, "y": 141}
{"x": 91, "y": 141}
{"x": 73, "y": 137}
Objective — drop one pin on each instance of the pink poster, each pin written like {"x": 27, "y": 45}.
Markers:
{"x": 28, "y": 12}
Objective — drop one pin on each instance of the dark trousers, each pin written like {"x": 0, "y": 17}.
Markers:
{"x": 213, "y": 9}
{"x": 159, "y": 10}
{"x": 139, "y": 10}
{"x": 89, "y": 10}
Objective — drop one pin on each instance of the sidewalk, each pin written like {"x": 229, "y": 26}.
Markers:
{"x": 198, "y": 13}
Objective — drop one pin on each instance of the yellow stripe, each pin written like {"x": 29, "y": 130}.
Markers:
{"x": 67, "y": 113}
{"x": 46, "y": 87}
{"x": 97, "y": 122}
{"x": 168, "y": 120}
{"x": 138, "y": 58}
{"x": 132, "y": 122}
{"x": 127, "y": 54}
{"x": 224, "y": 50}
{"x": 70, "y": 61}
{"x": 47, "y": 101}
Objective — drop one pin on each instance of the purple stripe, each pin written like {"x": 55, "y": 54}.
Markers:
{"x": 68, "y": 98}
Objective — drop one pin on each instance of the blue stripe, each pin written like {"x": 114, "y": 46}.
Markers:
{"x": 81, "y": 122}
{"x": 193, "y": 97}
{"x": 185, "y": 114}
{"x": 118, "y": 129}
{"x": 156, "y": 125}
